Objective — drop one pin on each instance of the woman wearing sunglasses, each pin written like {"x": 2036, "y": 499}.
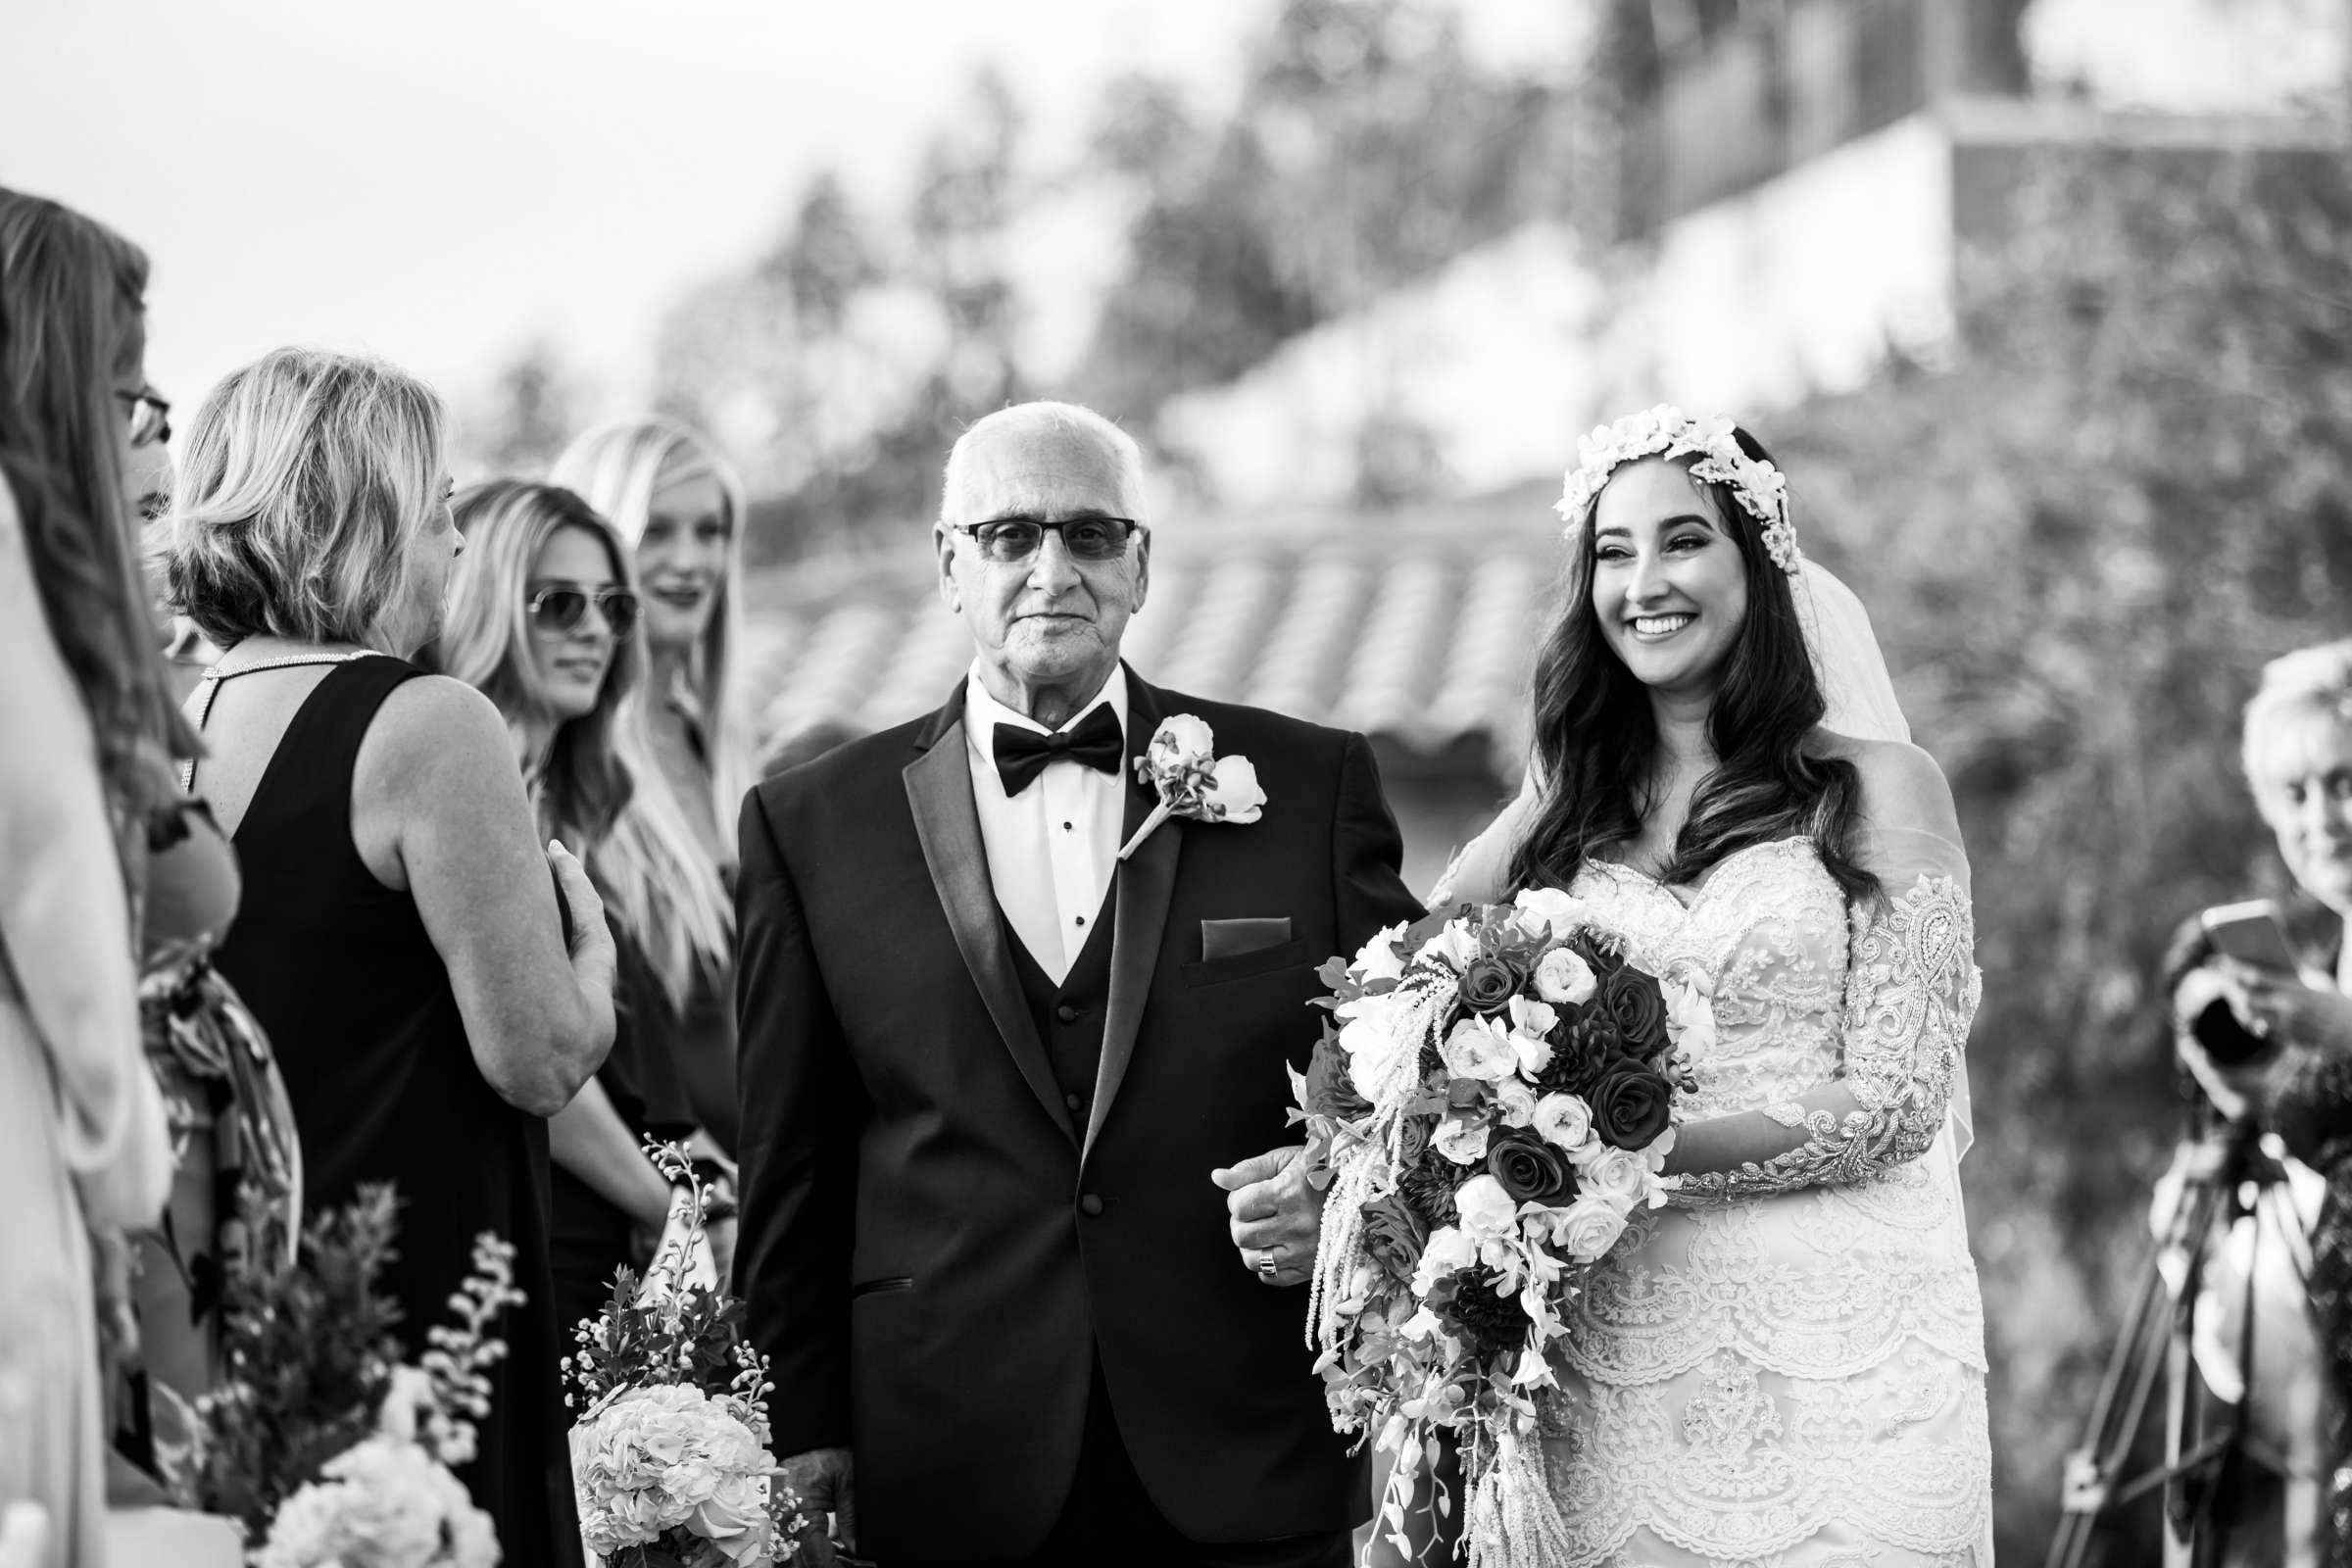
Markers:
{"x": 544, "y": 620}
{"x": 679, "y": 506}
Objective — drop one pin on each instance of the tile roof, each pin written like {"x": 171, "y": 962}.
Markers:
{"x": 1418, "y": 629}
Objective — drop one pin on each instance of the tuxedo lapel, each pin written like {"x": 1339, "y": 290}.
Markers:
{"x": 1145, "y": 881}
{"x": 938, "y": 789}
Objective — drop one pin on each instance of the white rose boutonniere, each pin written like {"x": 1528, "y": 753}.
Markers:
{"x": 1181, "y": 764}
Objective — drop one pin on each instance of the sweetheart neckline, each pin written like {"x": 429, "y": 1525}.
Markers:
{"x": 1698, "y": 889}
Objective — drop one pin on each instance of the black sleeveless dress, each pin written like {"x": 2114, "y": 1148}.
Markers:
{"x": 339, "y": 970}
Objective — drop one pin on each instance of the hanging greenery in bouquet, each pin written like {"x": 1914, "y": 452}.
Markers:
{"x": 1491, "y": 1109}
{"x": 325, "y": 1447}
{"x": 669, "y": 1450}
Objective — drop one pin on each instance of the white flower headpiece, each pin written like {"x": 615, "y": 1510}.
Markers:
{"x": 1666, "y": 431}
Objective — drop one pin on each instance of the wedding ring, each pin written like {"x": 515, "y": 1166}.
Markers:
{"x": 1265, "y": 1263}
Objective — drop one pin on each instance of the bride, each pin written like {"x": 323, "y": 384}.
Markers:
{"x": 1785, "y": 1367}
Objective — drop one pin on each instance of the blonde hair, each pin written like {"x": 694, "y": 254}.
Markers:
{"x": 306, "y": 478}
{"x": 2312, "y": 683}
{"x": 617, "y": 468}
{"x": 599, "y": 789}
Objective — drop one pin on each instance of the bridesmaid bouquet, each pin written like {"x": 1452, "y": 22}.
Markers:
{"x": 670, "y": 1459}
{"x": 1490, "y": 1108}
{"x": 319, "y": 1441}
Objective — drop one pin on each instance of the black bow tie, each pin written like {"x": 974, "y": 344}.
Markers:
{"x": 1094, "y": 740}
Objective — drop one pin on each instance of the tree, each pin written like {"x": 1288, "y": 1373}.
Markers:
{"x": 2082, "y": 542}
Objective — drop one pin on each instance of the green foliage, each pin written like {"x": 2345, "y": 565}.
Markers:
{"x": 308, "y": 1350}
{"x": 2081, "y": 543}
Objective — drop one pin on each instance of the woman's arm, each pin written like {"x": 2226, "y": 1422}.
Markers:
{"x": 1911, "y": 992}
{"x": 588, "y": 1139}
{"x": 65, "y": 925}
{"x": 436, "y": 780}
{"x": 1480, "y": 872}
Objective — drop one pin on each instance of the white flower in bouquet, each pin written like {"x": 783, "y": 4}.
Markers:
{"x": 1588, "y": 1226}
{"x": 1479, "y": 1049}
{"x": 1563, "y": 1120}
{"x": 1487, "y": 1211}
{"x": 1446, "y": 1251}
{"x": 382, "y": 1504}
{"x": 1461, "y": 1139}
{"x": 1456, "y": 943}
{"x": 1612, "y": 1172}
{"x": 1564, "y": 979}
{"x": 1378, "y": 959}
{"x": 1690, "y": 1017}
{"x": 1549, "y": 909}
{"x": 669, "y": 1456}
{"x": 1515, "y": 1099}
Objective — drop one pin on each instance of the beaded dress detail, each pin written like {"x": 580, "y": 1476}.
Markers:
{"x": 1790, "y": 1372}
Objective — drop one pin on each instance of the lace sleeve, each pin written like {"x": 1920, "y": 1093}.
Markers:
{"x": 1911, "y": 991}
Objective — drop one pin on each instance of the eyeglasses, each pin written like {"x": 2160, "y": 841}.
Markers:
{"x": 150, "y": 417}
{"x": 560, "y": 608}
{"x": 1009, "y": 540}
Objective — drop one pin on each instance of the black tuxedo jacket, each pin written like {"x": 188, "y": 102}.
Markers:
{"x": 934, "y": 1250}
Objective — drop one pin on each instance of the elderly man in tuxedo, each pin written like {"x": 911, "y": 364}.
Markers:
{"x": 994, "y": 1076}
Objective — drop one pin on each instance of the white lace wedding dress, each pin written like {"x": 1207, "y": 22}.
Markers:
{"x": 1793, "y": 1377}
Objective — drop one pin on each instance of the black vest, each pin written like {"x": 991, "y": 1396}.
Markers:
{"x": 1069, "y": 1015}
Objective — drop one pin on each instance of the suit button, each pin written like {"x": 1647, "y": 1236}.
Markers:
{"x": 1089, "y": 1205}
{"x": 1066, "y": 1013}
{"x": 1074, "y": 1099}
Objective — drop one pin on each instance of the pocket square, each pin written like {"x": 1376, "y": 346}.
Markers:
{"x": 1230, "y": 939}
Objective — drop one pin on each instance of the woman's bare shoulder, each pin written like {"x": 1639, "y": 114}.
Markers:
{"x": 436, "y": 730}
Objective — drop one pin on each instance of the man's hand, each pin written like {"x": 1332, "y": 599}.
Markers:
{"x": 821, "y": 1480}
{"x": 1277, "y": 1214}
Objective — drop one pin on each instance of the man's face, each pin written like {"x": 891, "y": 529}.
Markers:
{"x": 1050, "y": 620}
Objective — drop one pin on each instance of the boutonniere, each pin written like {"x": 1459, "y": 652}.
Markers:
{"x": 1193, "y": 781}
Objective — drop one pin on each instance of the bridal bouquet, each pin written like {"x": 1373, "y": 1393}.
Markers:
{"x": 669, "y": 1456}
{"x": 1490, "y": 1108}
{"x": 319, "y": 1441}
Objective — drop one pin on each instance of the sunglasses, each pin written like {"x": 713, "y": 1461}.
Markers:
{"x": 562, "y": 608}
{"x": 150, "y": 417}
{"x": 1007, "y": 540}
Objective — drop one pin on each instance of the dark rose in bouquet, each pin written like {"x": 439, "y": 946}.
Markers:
{"x": 1631, "y": 1105}
{"x": 1637, "y": 1008}
{"x": 1479, "y": 1314}
{"x": 1329, "y": 1092}
{"x": 1393, "y": 1235}
{"x": 1488, "y": 984}
{"x": 1531, "y": 1170}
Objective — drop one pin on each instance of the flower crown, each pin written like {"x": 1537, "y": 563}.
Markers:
{"x": 1666, "y": 431}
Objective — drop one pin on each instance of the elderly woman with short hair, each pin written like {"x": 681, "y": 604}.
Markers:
{"x": 2298, "y": 764}
{"x": 399, "y": 936}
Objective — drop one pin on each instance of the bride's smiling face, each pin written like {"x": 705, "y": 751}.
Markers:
{"x": 1669, "y": 583}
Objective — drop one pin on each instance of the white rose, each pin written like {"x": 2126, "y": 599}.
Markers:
{"x": 1564, "y": 1120}
{"x": 1617, "y": 1173}
{"x": 1461, "y": 1139}
{"x": 1455, "y": 945}
{"x": 1563, "y": 977}
{"x": 1516, "y": 1100}
{"x": 1479, "y": 1049}
{"x": 1183, "y": 740}
{"x": 1548, "y": 909}
{"x": 1487, "y": 1211}
{"x": 1589, "y": 1228}
{"x": 1448, "y": 1252}
{"x": 1233, "y": 795}
{"x": 1378, "y": 960}
{"x": 1690, "y": 1017}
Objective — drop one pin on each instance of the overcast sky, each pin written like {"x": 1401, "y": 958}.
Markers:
{"x": 440, "y": 181}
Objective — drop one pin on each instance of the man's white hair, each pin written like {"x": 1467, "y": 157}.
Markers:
{"x": 1045, "y": 417}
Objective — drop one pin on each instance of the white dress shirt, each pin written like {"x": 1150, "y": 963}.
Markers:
{"x": 1052, "y": 847}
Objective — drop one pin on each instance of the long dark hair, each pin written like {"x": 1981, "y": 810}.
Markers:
{"x": 72, "y": 323}
{"x": 1596, "y": 737}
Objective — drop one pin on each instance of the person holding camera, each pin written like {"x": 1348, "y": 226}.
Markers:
{"x": 2263, "y": 1010}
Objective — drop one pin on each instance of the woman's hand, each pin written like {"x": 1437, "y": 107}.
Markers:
{"x": 589, "y": 937}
